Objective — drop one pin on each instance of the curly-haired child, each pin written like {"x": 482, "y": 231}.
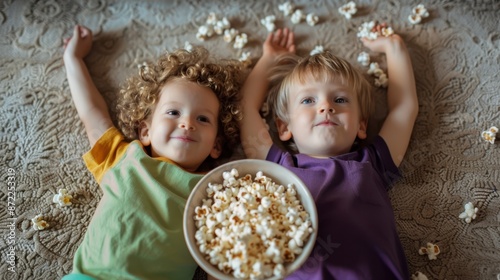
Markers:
{"x": 176, "y": 117}
{"x": 321, "y": 105}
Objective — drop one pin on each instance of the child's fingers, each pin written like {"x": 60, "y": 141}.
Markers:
{"x": 66, "y": 42}
{"x": 269, "y": 38}
{"x": 76, "y": 31}
{"x": 284, "y": 38}
{"x": 76, "y": 34}
{"x": 84, "y": 32}
{"x": 290, "y": 41}
{"x": 277, "y": 37}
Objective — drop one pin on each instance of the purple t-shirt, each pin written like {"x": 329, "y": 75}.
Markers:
{"x": 357, "y": 236}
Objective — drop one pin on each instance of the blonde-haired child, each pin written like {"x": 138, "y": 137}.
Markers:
{"x": 321, "y": 105}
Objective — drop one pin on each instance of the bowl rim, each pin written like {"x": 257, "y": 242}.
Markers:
{"x": 191, "y": 243}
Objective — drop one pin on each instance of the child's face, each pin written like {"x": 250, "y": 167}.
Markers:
{"x": 183, "y": 126}
{"x": 324, "y": 118}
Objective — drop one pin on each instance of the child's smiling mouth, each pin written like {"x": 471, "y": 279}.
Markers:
{"x": 183, "y": 138}
{"x": 327, "y": 123}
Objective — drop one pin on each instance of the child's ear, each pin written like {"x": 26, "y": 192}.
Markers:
{"x": 143, "y": 131}
{"x": 217, "y": 149}
{"x": 362, "y": 134}
{"x": 284, "y": 133}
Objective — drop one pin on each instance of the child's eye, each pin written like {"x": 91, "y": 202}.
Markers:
{"x": 203, "y": 119}
{"x": 307, "y": 100}
{"x": 340, "y": 100}
{"x": 173, "y": 112}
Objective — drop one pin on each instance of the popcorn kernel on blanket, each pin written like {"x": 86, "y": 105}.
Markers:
{"x": 431, "y": 250}
{"x": 418, "y": 13}
{"x": 268, "y": 22}
{"x": 419, "y": 276}
{"x": 348, "y": 10}
{"x": 364, "y": 58}
{"x": 317, "y": 50}
{"x": 39, "y": 223}
{"x": 286, "y": 8}
{"x": 469, "y": 213}
{"x": 490, "y": 134}
{"x": 62, "y": 198}
{"x": 312, "y": 19}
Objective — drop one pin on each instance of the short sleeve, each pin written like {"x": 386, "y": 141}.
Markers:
{"x": 105, "y": 153}
{"x": 384, "y": 163}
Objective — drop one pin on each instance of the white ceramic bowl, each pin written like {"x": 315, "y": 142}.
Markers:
{"x": 278, "y": 174}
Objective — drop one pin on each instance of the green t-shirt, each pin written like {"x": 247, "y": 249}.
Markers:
{"x": 136, "y": 231}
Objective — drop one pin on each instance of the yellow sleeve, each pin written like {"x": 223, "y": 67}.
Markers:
{"x": 105, "y": 153}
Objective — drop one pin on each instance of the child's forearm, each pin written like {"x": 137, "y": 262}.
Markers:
{"x": 401, "y": 98}
{"x": 401, "y": 91}
{"x": 90, "y": 105}
{"x": 255, "y": 88}
{"x": 255, "y": 138}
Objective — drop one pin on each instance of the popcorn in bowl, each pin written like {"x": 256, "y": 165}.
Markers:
{"x": 241, "y": 222}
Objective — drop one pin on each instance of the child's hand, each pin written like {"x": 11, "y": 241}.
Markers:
{"x": 383, "y": 44}
{"x": 279, "y": 42}
{"x": 80, "y": 43}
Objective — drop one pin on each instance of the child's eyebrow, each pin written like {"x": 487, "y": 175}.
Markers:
{"x": 177, "y": 105}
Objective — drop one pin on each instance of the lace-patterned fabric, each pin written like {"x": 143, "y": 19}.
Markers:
{"x": 456, "y": 59}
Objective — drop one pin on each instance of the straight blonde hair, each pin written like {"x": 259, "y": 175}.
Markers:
{"x": 291, "y": 70}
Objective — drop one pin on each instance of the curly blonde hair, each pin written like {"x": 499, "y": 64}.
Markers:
{"x": 291, "y": 69}
{"x": 139, "y": 95}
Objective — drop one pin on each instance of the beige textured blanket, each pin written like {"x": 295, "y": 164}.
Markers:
{"x": 456, "y": 58}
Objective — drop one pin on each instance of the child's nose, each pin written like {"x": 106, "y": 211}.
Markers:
{"x": 187, "y": 124}
{"x": 326, "y": 107}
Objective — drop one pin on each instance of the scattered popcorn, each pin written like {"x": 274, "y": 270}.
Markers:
{"x": 470, "y": 212}
{"x": 386, "y": 31}
{"x": 246, "y": 59}
{"x": 312, "y": 19}
{"x": 490, "y": 134}
{"x": 268, "y": 22}
{"x": 372, "y": 30}
{"x": 374, "y": 69}
{"x": 418, "y": 13}
{"x": 348, "y": 10}
{"x": 63, "y": 198}
{"x": 421, "y": 11}
{"x": 212, "y": 18}
{"x": 221, "y": 25}
{"x": 318, "y": 49}
{"x": 213, "y": 26}
{"x": 431, "y": 251}
{"x": 39, "y": 223}
{"x": 250, "y": 227}
{"x": 205, "y": 32}
{"x": 364, "y": 58}
{"x": 366, "y": 30}
{"x": 240, "y": 41}
{"x": 187, "y": 46}
{"x": 230, "y": 34}
{"x": 419, "y": 276}
{"x": 286, "y": 8}
{"x": 414, "y": 19}
{"x": 297, "y": 16}
{"x": 381, "y": 79}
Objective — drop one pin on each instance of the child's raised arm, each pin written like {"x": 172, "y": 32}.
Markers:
{"x": 255, "y": 138}
{"x": 91, "y": 107}
{"x": 401, "y": 94}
